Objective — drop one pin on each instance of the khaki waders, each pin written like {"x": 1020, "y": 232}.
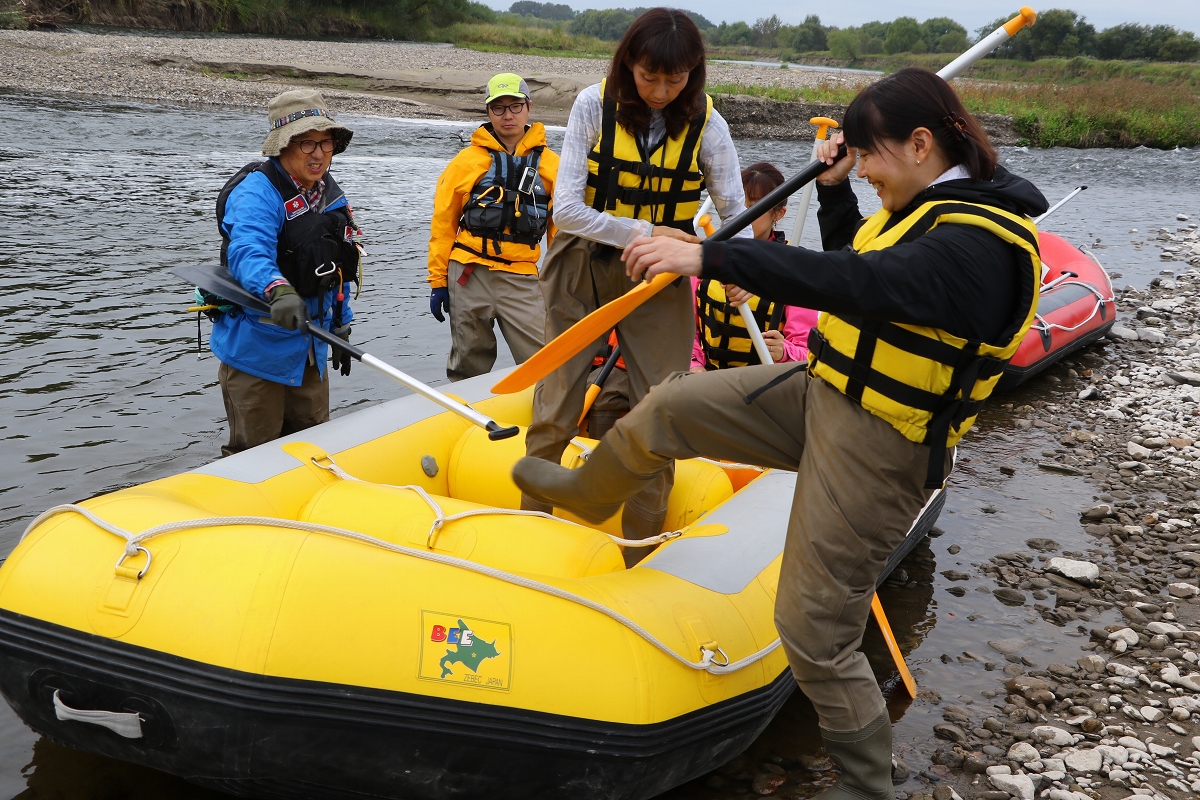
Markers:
{"x": 490, "y": 297}
{"x": 577, "y": 277}
{"x": 260, "y": 411}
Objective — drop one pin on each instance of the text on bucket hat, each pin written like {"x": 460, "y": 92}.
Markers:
{"x": 506, "y": 84}
{"x": 299, "y": 111}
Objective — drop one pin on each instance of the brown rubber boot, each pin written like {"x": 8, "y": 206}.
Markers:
{"x": 638, "y": 522}
{"x": 594, "y": 491}
{"x": 865, "y": 758}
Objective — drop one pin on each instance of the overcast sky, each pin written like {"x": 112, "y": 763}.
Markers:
{"x": 1101, "y": 13}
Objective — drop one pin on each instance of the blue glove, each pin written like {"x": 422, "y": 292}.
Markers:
{"x": 439, "y": 301}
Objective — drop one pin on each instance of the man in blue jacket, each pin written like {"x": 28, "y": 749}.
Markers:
{"x": 288, "y": 236}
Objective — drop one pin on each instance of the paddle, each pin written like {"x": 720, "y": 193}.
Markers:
{"x": 218, "y": 281}
{"x": 886, "y": 629}
{"x": 593, "y": 391}
{"x": 599, "y": 322}
{"x": 823, "y": 125}
{"x": 1059, "y": 204}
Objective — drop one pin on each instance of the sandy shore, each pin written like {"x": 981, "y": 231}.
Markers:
{"x": 397, "y": 79}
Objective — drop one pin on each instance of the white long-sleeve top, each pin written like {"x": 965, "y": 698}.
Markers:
{"x": 718, "y": 161}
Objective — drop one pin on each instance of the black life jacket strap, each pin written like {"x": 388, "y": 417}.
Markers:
{"x": 771, "y": 384}
{"x": 473, "y": 251}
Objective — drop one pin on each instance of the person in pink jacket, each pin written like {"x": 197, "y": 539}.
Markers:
{"x": 721, "y": 336}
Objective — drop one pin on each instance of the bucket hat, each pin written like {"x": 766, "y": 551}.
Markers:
{"x": 299, "y": 111}
{"x": 506, "y": 84}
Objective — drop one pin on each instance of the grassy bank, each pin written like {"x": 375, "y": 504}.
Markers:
{"x": 1119, "y": 112}
{"x": 525, "y": 39}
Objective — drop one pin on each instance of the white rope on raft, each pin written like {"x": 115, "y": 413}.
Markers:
{"x": 440, "y": 517}
{"x": 133, "y": 542}
{"x": 1100, "y": 301}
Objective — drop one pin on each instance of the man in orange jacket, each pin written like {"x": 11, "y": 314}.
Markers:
{"x": 492, "y": 207}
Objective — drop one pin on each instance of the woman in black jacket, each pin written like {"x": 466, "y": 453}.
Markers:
{"x": 924, "y": 302}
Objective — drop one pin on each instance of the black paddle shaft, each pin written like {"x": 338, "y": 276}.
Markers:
{"x": 774, "y": 197}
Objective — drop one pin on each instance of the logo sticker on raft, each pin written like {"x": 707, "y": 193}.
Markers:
{"x": 465, "y": 650}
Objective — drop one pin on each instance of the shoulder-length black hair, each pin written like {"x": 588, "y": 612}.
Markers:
{"x": 661, "y": 40}
{"x": 890, "y": 109}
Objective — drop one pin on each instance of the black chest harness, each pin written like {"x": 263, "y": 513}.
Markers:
{"x": 727, "y": 342}
{"x": 508, "y": 204}
{"x": 316, "y": 250}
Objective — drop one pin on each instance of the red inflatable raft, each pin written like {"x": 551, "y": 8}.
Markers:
{"x": 1075, "y": 309}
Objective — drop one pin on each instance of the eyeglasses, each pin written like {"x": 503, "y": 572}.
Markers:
{"x": 309, "y": 145}
{"x": 498, "y": 109}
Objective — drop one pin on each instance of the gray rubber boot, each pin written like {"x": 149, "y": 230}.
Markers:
{"x": 865, "y": 758}
{"x": 594, "y": 491}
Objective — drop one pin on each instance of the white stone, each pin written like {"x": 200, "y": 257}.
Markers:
{"x": 1053, "y": 765}
{"x": 1170, "y": 674}
{"x": 1136, "y": 451}
{"x": 1120, "y": 331}
{"x": 1061, "y": 794}
{"x": 1083, "y": 760}
{"x": 1151, "y": 714}
{"x": 1126, "y": 635}
{"x": 1114, "y": 754}
{"x": 1120, "y": 646}
{"x": 1160, "y": 751}
{"x": 1052, "y": 735}
{"x": 1019, "y": 785}
{"x": 1133, "y": 713}
{"x": 1152, "y": 335}
{"x": 1023, "y": 752}
{"x": 1182, "y": 590}
{"x": 1083, "y": 571}
{"x": 1133, "y": 743}
{"x": 1123, "y": 670}
{"x": 1162, "y": 627}
{"x": 999, "y": 769}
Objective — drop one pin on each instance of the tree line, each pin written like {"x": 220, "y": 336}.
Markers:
{"x": 1059, "y": 33}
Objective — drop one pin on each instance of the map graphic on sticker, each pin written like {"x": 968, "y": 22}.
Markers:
{"x": 465, "y": 650}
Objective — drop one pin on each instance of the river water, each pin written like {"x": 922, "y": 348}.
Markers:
{"x": 101, "y": 386}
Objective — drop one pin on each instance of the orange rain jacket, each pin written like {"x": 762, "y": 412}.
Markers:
{"x": 454, "y": 190}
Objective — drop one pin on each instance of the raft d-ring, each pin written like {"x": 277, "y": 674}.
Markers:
{"x": 140, "y": 549}
{"x": 714, "y": 650}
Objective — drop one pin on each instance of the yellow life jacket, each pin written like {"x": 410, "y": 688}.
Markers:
{"x": 927, "y": 383}
{"x": 726, "y": 340}
{"x": 661, "y": 186}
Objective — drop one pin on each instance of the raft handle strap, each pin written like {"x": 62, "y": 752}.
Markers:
{"x": 134, "y": 540}
{"x": 127, "y": 724}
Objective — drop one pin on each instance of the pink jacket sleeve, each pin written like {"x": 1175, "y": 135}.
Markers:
{"x": 795, "y": 332}
{"x": 698, "y": 359}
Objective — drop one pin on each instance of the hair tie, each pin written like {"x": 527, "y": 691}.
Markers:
{"x": 956, "y": 125}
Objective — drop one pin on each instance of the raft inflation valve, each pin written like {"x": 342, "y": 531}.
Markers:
{"x": 429, "y": 465}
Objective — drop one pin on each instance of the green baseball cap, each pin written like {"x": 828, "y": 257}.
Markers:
{"x": 507, "y": 84}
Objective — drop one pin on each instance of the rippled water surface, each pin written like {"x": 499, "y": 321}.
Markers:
{"x": 101, "y": 386}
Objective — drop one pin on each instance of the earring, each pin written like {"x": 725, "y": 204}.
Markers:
{"x": 918, "y": 162}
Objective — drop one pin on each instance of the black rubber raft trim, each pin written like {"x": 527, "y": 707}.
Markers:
{"x": 1014, "y": 376}
{"x": 275, "y": 737}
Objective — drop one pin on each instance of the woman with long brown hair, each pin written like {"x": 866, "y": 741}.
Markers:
{"x": 639, "y": 148}
{"x": 923, "y": 303}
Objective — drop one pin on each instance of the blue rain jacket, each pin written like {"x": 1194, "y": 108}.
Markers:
{"x": 254, "y": 217}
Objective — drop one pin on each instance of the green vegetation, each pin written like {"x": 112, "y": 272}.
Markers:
{"x": 405, "y": 19}
{"x": 1065, "y": 34}
{"x": 1111, "y": 112}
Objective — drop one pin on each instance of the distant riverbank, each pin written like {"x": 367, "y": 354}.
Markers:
{"x": 432, "y": 81}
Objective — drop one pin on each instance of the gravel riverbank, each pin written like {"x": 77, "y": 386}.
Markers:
{"x": 399, "y": 79}
{"x": 1122, "y": 719}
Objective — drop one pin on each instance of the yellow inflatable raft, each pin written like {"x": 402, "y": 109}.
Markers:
{"x": 358, "y": 611}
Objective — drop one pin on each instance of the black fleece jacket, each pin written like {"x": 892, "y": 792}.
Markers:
{"x": 959, "y": 278}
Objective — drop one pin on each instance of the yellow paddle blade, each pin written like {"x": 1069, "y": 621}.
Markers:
{"x": 593, "y": 391}
{"x": 580, "y": 335}
{"x": 893, "y": 648}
